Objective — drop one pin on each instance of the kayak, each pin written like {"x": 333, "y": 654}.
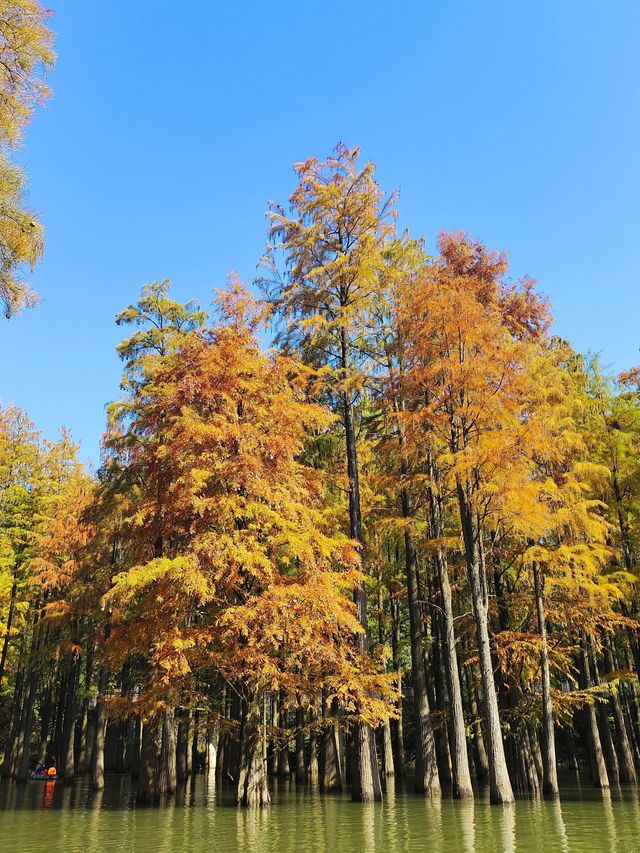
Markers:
{"x": 42, "y": 777}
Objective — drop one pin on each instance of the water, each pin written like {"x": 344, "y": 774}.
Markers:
{"x": 53, "y": 817}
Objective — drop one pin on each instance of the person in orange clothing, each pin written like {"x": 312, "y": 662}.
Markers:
{"x": 52, "y": 771}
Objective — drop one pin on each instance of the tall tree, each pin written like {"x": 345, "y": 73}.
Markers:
{"x": 468, "y": 334}
{"x": 334, "y": 244}
{"x": 248, "y": 584}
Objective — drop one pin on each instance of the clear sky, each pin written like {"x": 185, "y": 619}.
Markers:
{"x": 172, "y": 124}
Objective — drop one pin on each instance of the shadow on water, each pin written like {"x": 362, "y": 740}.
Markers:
{"x": 59, "y": 817}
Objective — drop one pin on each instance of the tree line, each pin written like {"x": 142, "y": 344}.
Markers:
{"x": 402, "y": 539}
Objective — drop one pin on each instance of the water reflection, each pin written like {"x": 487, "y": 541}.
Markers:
{"x": 464, "y": 814}
{"x": 49, "y": 790}
{"x": 506, "y": 825}
{"x": 201, "y": 816}
{"x": 609, "y": 821}
{"x": 554, "y": 810}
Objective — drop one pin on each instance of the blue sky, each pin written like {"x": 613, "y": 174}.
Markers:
{"x": 173, "y": 124}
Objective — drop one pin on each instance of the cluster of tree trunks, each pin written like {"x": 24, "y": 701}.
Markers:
{"x": 444, "y": 727}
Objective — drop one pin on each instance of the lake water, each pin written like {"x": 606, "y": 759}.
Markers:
{"x": 55, "y": 817}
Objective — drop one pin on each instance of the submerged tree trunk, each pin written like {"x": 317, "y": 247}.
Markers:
{"x": 68, "y": 730}
{"x": 273, "y": 748}
{"x": 193, "y": 754}
{"x": 500, "y": 790}
{"x": 26, "y": 726}
{"x": 283, "y": 741}
{"x": 46, "y": 712}
{"x": 83, "y": 747}
{"x": 23, "y": 745}
{"x": 167, "y": 781}
{"x": 251, "y": 788}
{"x": 330, "y": 770}
{"x": 596, "y": 755}
{"x": 435, "y": 687}
{"x": 627, "y": 766}
{"x": 426, "y": 772}
{"x": 387, "y": 748}
{"x": 147, "y": 791}
{"x": 623, "y": 743}
{"x": 461, "y": 778}
{"x": 574, "y": 764}
{"x": 97, "y": 758}
{"x": 9, "y": 755}
{"x": 183, "y": 747}
{"x": 549, "y": 767}
{"x": 301, "y": 764}
{"x": 479, "y": 750}
{"x": 610, "y": 755}
{"x": 213, "y": 741}
{"x": 397, "y": 724}
{"x": 313, "y": 747}
{"x": 223, "y": 738}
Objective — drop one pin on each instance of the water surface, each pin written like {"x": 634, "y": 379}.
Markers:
{"x": 55, "y": 817}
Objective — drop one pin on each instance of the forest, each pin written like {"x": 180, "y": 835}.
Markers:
{"x": 366, "y": 517}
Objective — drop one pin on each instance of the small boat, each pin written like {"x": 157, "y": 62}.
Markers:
{"x": 42, "y": 777}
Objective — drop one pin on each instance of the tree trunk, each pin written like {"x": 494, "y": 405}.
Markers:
{"x": 610, "y": 755}
{"x": 598, "y": 766}
{"x": 82, "y": 753}
{"x": 433, "y": 669}
{"x": 70, "y": 711}
{"x": 623, "y": 744}
{"x": 387, "y": 748}
{"x": 23, "y": 745}
{"x": 301, "y": 764}
{"x": 627, "y": 766}
{"x": 330, "y": 771}
{"x": 59, "y": 719}
{"x": 480, "y": 752}
{"x": 549, "y": 766}
{"x": 213, "y": 740}
{"x": 232, "y": 752}
{"x": 426, "y": 772}
{"x": 397, "y": 724}
{"x": 8, "y": 626}
{"x": 46, "y": 711}
{"x": 23, "y": 749}
{"x": 9, "y": 755}
{"x": 183, "y": 746}
{"x": 462, "y": 788}
{"x": 500, "y": 790}
{"x": 147, "y": 791}
{"x": 366, "y": 785}
{"x": 461, "y": 778}
{"x": 251, "y": 789}
{"x": 632, "y": 719}
{"x": 283, "y": 742}
{"x": 223, "y": 738}
{"x": 273, "y": 748}
{"x": 167, "y": 782}
{"x": 97, "y": 758}
{"x": 193, "y": 756}
{"x": 313, "y": 747}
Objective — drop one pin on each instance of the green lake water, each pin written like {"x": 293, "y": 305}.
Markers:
{"x": 55, "y": 817}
